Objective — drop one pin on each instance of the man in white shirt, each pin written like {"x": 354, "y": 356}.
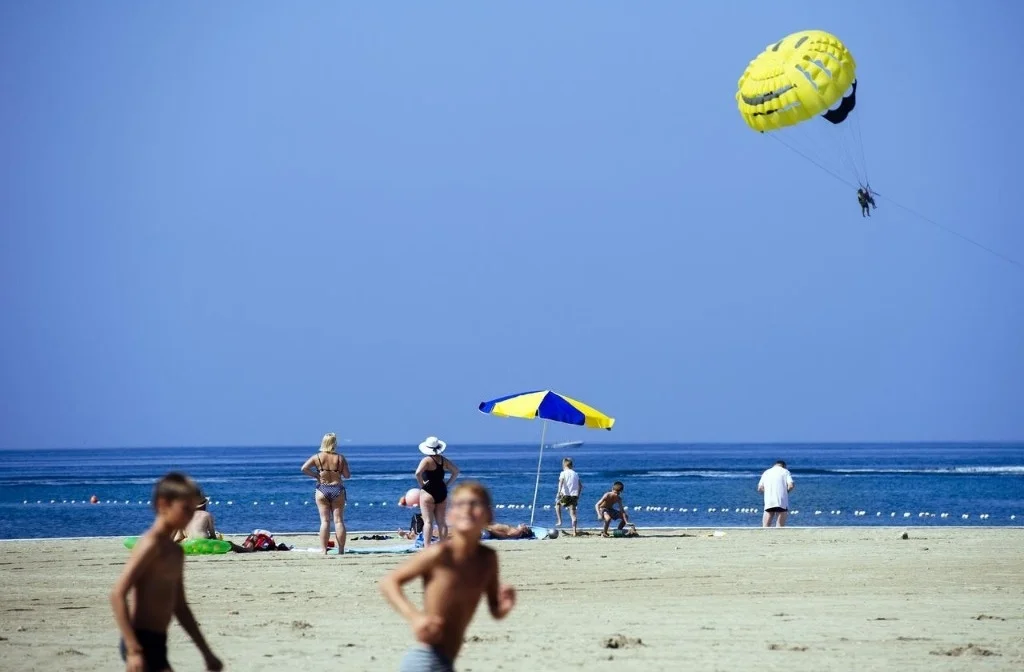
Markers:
{"x": 568, "y": 495}
{"x": 776, "y": 483}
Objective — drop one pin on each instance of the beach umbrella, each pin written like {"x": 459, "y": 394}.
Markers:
{"x": 546, "y": 405}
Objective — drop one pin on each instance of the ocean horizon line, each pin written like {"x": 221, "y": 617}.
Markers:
{"x": 505, "y": 444}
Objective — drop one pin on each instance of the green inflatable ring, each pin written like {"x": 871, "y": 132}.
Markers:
{"x": 193, "y": 546}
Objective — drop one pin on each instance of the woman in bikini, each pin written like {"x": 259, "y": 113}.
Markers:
{"x": 331, "y": 468}
{"x": 433, "y": 487}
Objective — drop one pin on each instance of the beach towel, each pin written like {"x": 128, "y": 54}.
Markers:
{"x": 539, "y": 533}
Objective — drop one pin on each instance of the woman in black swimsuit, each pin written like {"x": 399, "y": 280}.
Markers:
{"x": 433, "y": 487}
{"x": 331, "y": 467}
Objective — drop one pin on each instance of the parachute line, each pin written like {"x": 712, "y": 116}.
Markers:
{"x": 925, "y": 218}
{"x": 819, "y": 165}
{"x": 858, "y": 135}
{"x": 953, "y": 232}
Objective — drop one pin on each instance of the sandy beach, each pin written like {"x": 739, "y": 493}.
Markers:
{"x": 795, "y": 599}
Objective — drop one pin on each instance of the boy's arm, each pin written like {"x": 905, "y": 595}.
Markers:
{"x": 145, "y": 551}
{"x": 500, "y": 599}
{"x": 188, "y": 622}
{"x": 390, "y": 586}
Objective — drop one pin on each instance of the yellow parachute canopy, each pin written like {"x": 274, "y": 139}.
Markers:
{"x": 796, "y": 79}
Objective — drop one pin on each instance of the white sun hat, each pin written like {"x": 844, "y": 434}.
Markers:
{"x": 433, "y": 446}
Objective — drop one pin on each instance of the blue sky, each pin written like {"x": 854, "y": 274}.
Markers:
{"x": 251, "y": 223}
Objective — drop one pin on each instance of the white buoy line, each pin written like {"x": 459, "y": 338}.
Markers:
{"x": 742, "y": 510}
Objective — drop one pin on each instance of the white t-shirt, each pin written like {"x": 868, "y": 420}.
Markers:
{"x": 568, "y": 483}
{"x": 776, "y": 483}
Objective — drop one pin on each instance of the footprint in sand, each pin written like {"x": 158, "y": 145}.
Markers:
{"x": 782, "y": 647}
{"x": 969, "y": 650}
{"x": 621, "y": 642}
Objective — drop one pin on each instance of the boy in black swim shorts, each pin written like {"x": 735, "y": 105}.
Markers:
{"x": 606, "y": 510}
{"x": 154, "y": 573}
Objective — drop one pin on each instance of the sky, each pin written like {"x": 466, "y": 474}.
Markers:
{"x": 253, "y": 223}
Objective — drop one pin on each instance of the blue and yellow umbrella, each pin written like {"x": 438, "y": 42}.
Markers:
{"x": 546, "y": 405}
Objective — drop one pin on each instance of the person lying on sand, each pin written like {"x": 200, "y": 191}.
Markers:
{"x": 492, "y": 531}
{"x": 415, "y": 525}
{"x": 606, "y": 510}
{"x": 502, "y": 531}
{"x": 202, "y": 527}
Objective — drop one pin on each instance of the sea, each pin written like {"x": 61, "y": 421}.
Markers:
{"x": 46, "y": 494}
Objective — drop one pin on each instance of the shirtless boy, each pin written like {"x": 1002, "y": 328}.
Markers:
{"x": 455, "y": 574}
{"x": 154, "y": 573}
{"x": 606, "y": 510}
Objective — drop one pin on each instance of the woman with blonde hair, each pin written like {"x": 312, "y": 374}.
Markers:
{"x": 331, "y": 468}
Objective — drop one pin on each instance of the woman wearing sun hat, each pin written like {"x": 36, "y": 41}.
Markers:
{"x": 434, "y": 487}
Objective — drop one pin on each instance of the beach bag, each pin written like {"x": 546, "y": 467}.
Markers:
{"x": 260, "y": 540}
{"x": 416, "y": 524}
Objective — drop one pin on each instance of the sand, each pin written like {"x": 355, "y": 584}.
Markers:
{"x": 794, "y": 599}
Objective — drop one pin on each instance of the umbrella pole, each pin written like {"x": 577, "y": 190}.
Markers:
{"x": 536, "y": 486}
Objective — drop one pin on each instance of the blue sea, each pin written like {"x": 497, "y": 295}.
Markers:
{"x": 45, "y": 494}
